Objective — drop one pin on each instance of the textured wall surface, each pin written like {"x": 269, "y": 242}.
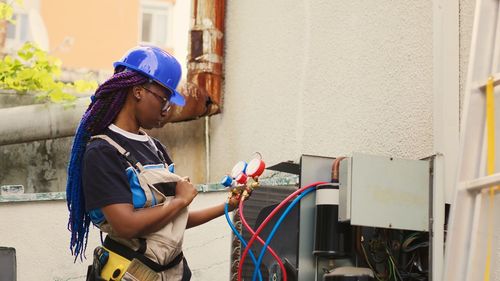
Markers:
{"x": 466, "y": 22}
{"x": 37, "y": 230}
{"x": 38, "y": 166}
{"x": 327, "y": 78}
{"x": 185, "y": 144}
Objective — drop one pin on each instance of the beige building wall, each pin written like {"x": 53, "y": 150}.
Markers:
{"x": 325, "y": 78}
{"x": 91, "y": 34}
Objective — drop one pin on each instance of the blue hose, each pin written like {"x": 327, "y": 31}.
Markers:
{"x": 275, "y": 228}
{"x": 235, "y": 231}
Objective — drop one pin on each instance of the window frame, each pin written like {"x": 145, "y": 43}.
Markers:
{"x": 16, "y": 42}
{"x": 156, "y": 8}
{"x": 11, "y": 45}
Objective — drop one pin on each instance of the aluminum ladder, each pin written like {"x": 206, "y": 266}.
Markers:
{"x": 474, "y": 223}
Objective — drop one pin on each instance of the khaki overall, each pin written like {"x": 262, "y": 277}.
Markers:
{"x": 165, "y": 244}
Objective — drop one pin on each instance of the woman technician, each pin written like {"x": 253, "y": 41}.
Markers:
{"x": 118, "y": 176}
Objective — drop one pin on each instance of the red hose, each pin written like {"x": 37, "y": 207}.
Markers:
{"x": 273, "y": 253}
{"x": 266, "y": 221}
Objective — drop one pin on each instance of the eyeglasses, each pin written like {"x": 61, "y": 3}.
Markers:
{"x": 164, "y": 101}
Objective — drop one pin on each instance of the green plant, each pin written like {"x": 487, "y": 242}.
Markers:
{"x": 33, "y": 70}
{"x": 7, "y": 11}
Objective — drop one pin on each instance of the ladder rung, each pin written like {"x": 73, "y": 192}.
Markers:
{"x": 480, "y": 183}
{"x": 482, "y": 84}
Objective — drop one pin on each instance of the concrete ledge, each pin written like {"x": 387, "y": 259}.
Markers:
{"x": 275, "y": 180}
{"x": 26, "y": 197}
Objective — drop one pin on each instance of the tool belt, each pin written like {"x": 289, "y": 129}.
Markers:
{"x": 112, "y": 260}
{"x": 130, "y": 254}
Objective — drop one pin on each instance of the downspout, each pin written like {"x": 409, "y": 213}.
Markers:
{"x": 203, "y": 89}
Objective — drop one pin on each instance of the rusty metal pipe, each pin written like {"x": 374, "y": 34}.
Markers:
{"x": 203, "y": 89}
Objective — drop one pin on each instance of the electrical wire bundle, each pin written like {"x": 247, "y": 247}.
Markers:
{"x": 401, "y": 258}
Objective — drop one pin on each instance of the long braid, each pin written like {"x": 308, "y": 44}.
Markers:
{"x": 106, "y": 103}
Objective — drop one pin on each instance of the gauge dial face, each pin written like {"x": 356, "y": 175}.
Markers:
{"x": 255, "y": 168}
{"x": 240, "y": 167}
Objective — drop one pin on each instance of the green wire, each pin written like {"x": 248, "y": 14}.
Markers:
{"x": 368, "y": 261}
{"x": 394, "y": 264}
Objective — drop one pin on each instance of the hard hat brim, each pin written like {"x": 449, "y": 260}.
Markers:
{"x": 176, "y": 98}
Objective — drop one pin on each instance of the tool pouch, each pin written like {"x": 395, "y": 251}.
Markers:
{"x": 100, "y": 258}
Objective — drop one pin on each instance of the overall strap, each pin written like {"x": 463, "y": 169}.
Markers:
{"x": 129, "y": 157}
{"x": 158, "y": 151}
{"x": 133, "y": 163}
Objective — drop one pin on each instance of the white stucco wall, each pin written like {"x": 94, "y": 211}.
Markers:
{"x": 37, "y": 230}
{"x": 467, "y": 9}
{"x": 325, "y": 78}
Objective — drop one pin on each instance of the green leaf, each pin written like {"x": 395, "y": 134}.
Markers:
{"x": 6, "y": 11}
{"x": 83, "y": 85}
{"x": 57, "y": 95}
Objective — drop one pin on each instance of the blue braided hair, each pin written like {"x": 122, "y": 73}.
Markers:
{"x": 106, "y": 103}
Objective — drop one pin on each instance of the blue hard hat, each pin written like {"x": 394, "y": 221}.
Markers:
{"x": 157, "y": 65}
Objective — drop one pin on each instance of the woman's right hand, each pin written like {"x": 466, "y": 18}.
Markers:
{"x": 186, "y": 191}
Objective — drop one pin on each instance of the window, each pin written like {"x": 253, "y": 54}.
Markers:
{"x": 19, "y": 32}
{"x": 156, "y": 23}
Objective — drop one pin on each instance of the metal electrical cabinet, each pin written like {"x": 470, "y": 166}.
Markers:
{"x": 386, "y": 192}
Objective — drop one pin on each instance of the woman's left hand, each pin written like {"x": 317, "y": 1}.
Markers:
{"x": 233, "y": 202}
{"x": 235, "y": 198}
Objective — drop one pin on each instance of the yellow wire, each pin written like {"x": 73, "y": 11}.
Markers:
{"x": 490, "y": 126}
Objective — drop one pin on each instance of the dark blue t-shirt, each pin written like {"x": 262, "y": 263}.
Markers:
{"x": 107, "y": 176}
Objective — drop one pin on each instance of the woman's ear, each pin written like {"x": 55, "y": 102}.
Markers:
{"x": 136, "y": 91}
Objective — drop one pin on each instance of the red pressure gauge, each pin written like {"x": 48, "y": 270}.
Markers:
{"x": 255, "y": 168}
{"x": 241, "y": 178}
